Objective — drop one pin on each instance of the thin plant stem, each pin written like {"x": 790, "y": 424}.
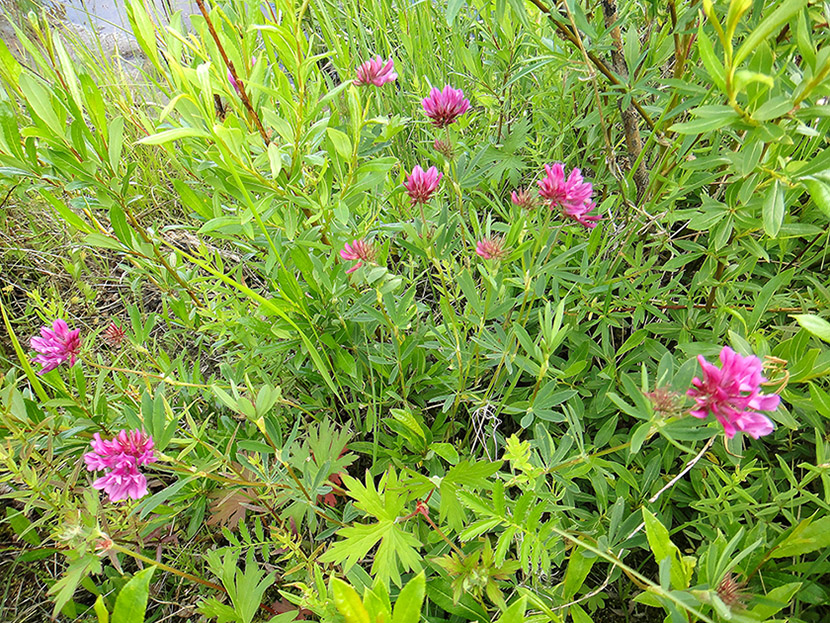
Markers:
{"x": 184, "y": 574}
{"x": 242, "y": 90}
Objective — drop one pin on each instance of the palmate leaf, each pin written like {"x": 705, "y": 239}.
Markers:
{"x": 386, "y": 501}
{"x": 397, "y": 548}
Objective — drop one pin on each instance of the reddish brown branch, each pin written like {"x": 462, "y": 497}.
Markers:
{"x": 627, "y": 114}
{"x": 568, "y": 34}
{"x": 242, "y": 91}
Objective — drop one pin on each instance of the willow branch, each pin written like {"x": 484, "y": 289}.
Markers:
{"x": 568, "y": 34}
{"x": 243, "y": 94}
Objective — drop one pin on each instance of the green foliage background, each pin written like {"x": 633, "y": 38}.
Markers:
{"x": 508, "y": 397}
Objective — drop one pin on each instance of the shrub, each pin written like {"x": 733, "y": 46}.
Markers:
{"x": 438, "y": 288}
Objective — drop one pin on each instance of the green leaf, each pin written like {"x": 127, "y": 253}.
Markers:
{"x": 658, "y": 537}
{"x": 819, "y": 193}
{"x": 398, "y": 549}
{"x": 440, "y": 593}
{"x": 131, "y": 603}
{"x": 39, "y": 99}
{"x": 105, "y": 242}
{"x": 144, "y": 31}
{"x": 808, "y": 536}
{"x": 515, "y": 613}
{"x": 705, "y": 124}
{"x": 775, "y": 20}
{"x": 172, "y": 135}
{"x": 736, "y": 9}
{"x": 101, "y": 610}
{"x": 639, "y": 436}
{"x": 446, "y": 451}
{"x": 9, "y": 66}
{"x": 342, "y": 143}
{"x": 22, "y": 526}
{"x": 710, "y": 61}
{"x": 773, "y": 108}
{"x": 815, "y": 325}
{"x": 408, "y": 420}
{"x": 453, "y": 7}
{"x": 744, "y": 77}
{"x": 410, "y": 600}
{"x": 65, "y": 587}
{"x": 120, "y": 227}
{"x": 820, "y": 400}
{"x": 159, "y": 497}
{"x": 275, "y": 159}
{"x": 348, "y": 602}
{"x": 663, "y": 549}
{"x": 23, "y": 359}
{"x": 579, "y": 615}
{"x": 777, "y": 599}
{"x": 69, "y": 76}
{"x": 773, "y": 209}
{"x": 116, "y": 141}
{"x": 579, "y": 566}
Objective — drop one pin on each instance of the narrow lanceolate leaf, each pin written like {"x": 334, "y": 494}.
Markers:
{"x": 815, "y": 325}
{"x": 710, "y": 60}
{"x": 774, "y": 210}
{"x": 806, "y": 537}
{"x": 770, "y": 24}
{"x": 515, "y": 613}
{"x": 173, "y": 135}
{"x": 819, "y": 193}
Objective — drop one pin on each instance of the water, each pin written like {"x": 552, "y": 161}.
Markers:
{"x": 107, "y": 19}
{"x": 110, "y": 16}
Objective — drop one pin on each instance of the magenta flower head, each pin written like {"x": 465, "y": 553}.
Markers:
{"x": 234, "y": 83}
{"x": 359, "y": 250}
{"x": 121, "y": 457}
{"x": 421, "y": 185}
{"x": 56, "y": 345}
{"x": 732, "y": 393}
{"x": 571, "y": 195}
{"x": 375, "y": 71}
{"x": 523, "y": 199}
{"x": 491, "y": 248}
{"x": 445, "y": 107}
{"x": 113, "y": 335}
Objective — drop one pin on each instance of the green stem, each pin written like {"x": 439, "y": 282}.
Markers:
{"x": 184, "y": 574}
